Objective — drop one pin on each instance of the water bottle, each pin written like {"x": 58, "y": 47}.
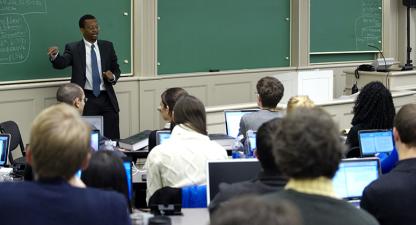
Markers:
{"x": 238, "y": 148}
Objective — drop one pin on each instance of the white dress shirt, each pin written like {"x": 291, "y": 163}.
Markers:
{"x": 181, "y": 160}
{"x": 88, "y": 68}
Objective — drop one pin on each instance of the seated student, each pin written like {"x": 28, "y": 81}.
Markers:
{"x": 182, "y": 160}
{"x": 299, "y": 101}
{"x": 249, "y": 210}
{"x": 59, "y": 147}
{"x": 373, "y": 109}
{"x": 392, "y": 197}
{"x": 310, "y": 158}
{"x": 268, "y": 180}
{"x": 106, "y": 171}
{"x": 269, "y": 93}
{"x": 167, "y": 101}
{"x": 72, "y": 94}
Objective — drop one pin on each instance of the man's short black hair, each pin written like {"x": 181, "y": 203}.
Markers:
{"x": 81, "y": 22}
{"x": 270, "y": 91}
{"x": 405, "y": 123}
{"x": 264, "y": 145}
{"x": 307, "y": 145}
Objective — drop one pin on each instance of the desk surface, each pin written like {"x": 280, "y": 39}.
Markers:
{"x": 193, "y": 216}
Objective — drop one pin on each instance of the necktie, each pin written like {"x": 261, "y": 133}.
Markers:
{"x": 96, "y": 81}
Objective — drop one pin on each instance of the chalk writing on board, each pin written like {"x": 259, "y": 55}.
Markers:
{"x": 23, "y": 6}
{"x": 14, "y": 29}
{"x": 367, "y": 27}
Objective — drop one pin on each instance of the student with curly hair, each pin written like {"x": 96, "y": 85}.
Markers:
{"x": 373, "y": 109}
{"x": 310, "y": 158}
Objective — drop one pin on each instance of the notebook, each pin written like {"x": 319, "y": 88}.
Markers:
{"x": 162, "y": 136}
{"x": 354, "y": 175}
{"x": 229, "y": 171}
{"x": 4, "y": 148}
{"x": 96, "y": 122}
{"x": 375, "y": 141}
{"x": 232, "y": 120}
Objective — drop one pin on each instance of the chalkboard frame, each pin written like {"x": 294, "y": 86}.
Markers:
{"x": 337, "y": 56}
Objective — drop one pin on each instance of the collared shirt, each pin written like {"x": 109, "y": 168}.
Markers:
{"x": 181, "y": 160}
{"x": 318, "y": 186}
{"x": 88, "y": 68}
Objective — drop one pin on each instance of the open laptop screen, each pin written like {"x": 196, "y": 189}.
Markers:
{"x": 127, "y": 168}
{"x": 229, "y": 171}
{"x": 375, "y": 141}
{"x": 4, "y": 148}
{"x": 232, "y": 120}
{"x": 162, "y": 136}
{"x": 354, "y": 175}
{"x": 96, "y": 122}
{"x": 95, "y": 139}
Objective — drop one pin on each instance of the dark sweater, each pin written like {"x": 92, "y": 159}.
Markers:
{"x": 392, "y": 197}
{"x": 322, "y": 210}
{"x": 265, "y": 182}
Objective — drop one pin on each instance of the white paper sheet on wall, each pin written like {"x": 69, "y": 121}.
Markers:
{"x": 317, "y": 84}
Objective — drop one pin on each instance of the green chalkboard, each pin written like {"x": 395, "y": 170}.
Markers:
{"x": 28, "y": 28}
{"x": 204, "y": 35}
{"x": 345, "y": 25}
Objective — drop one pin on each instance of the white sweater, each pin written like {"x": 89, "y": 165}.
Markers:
{"x": 181, "y": 160}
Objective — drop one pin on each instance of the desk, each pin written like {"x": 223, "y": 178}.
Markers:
{"x": 192, "y": 216}
{"x": 394, "y": 80}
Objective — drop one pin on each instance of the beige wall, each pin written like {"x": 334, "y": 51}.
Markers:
{"x": 139, "y": 95}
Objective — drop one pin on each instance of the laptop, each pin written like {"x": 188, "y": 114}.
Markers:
{"x": 251, "y": 142}
{"x": 232, "y": 120}
{"x": 95, "y": 140}
{"x": 353, "y": 176}
{"x": 229, "y": 171}
{"x": 127, "y": 163}
{"x": 375, "y": 141}
{"x": 96, "y": 122}
{"x": 162, "y": 136}
{"x": 4, "y": 148}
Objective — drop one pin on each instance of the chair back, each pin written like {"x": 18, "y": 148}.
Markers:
{"x": 11, "y": 128}
{"x": 194, "y": 196}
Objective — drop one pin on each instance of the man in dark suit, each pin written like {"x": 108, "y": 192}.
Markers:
{"x": 59, "y": 147}
{"x": 95, "y": 69}
{"x": 392, "y": 197}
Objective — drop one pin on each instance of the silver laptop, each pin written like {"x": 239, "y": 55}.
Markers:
{"x": 96, "y": 122}
{"x": 375, "y": 141}
{"x": 229, "y": 171}
{"x": 353, "y": 176}
{"x": 162, "y": 136}
{"x": 232, "y": 120}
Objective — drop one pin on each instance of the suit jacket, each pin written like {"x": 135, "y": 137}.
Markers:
{"x": 56, "y": 202}
{"x": 392, "y": 197}
{"x": 74, "y": 55}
